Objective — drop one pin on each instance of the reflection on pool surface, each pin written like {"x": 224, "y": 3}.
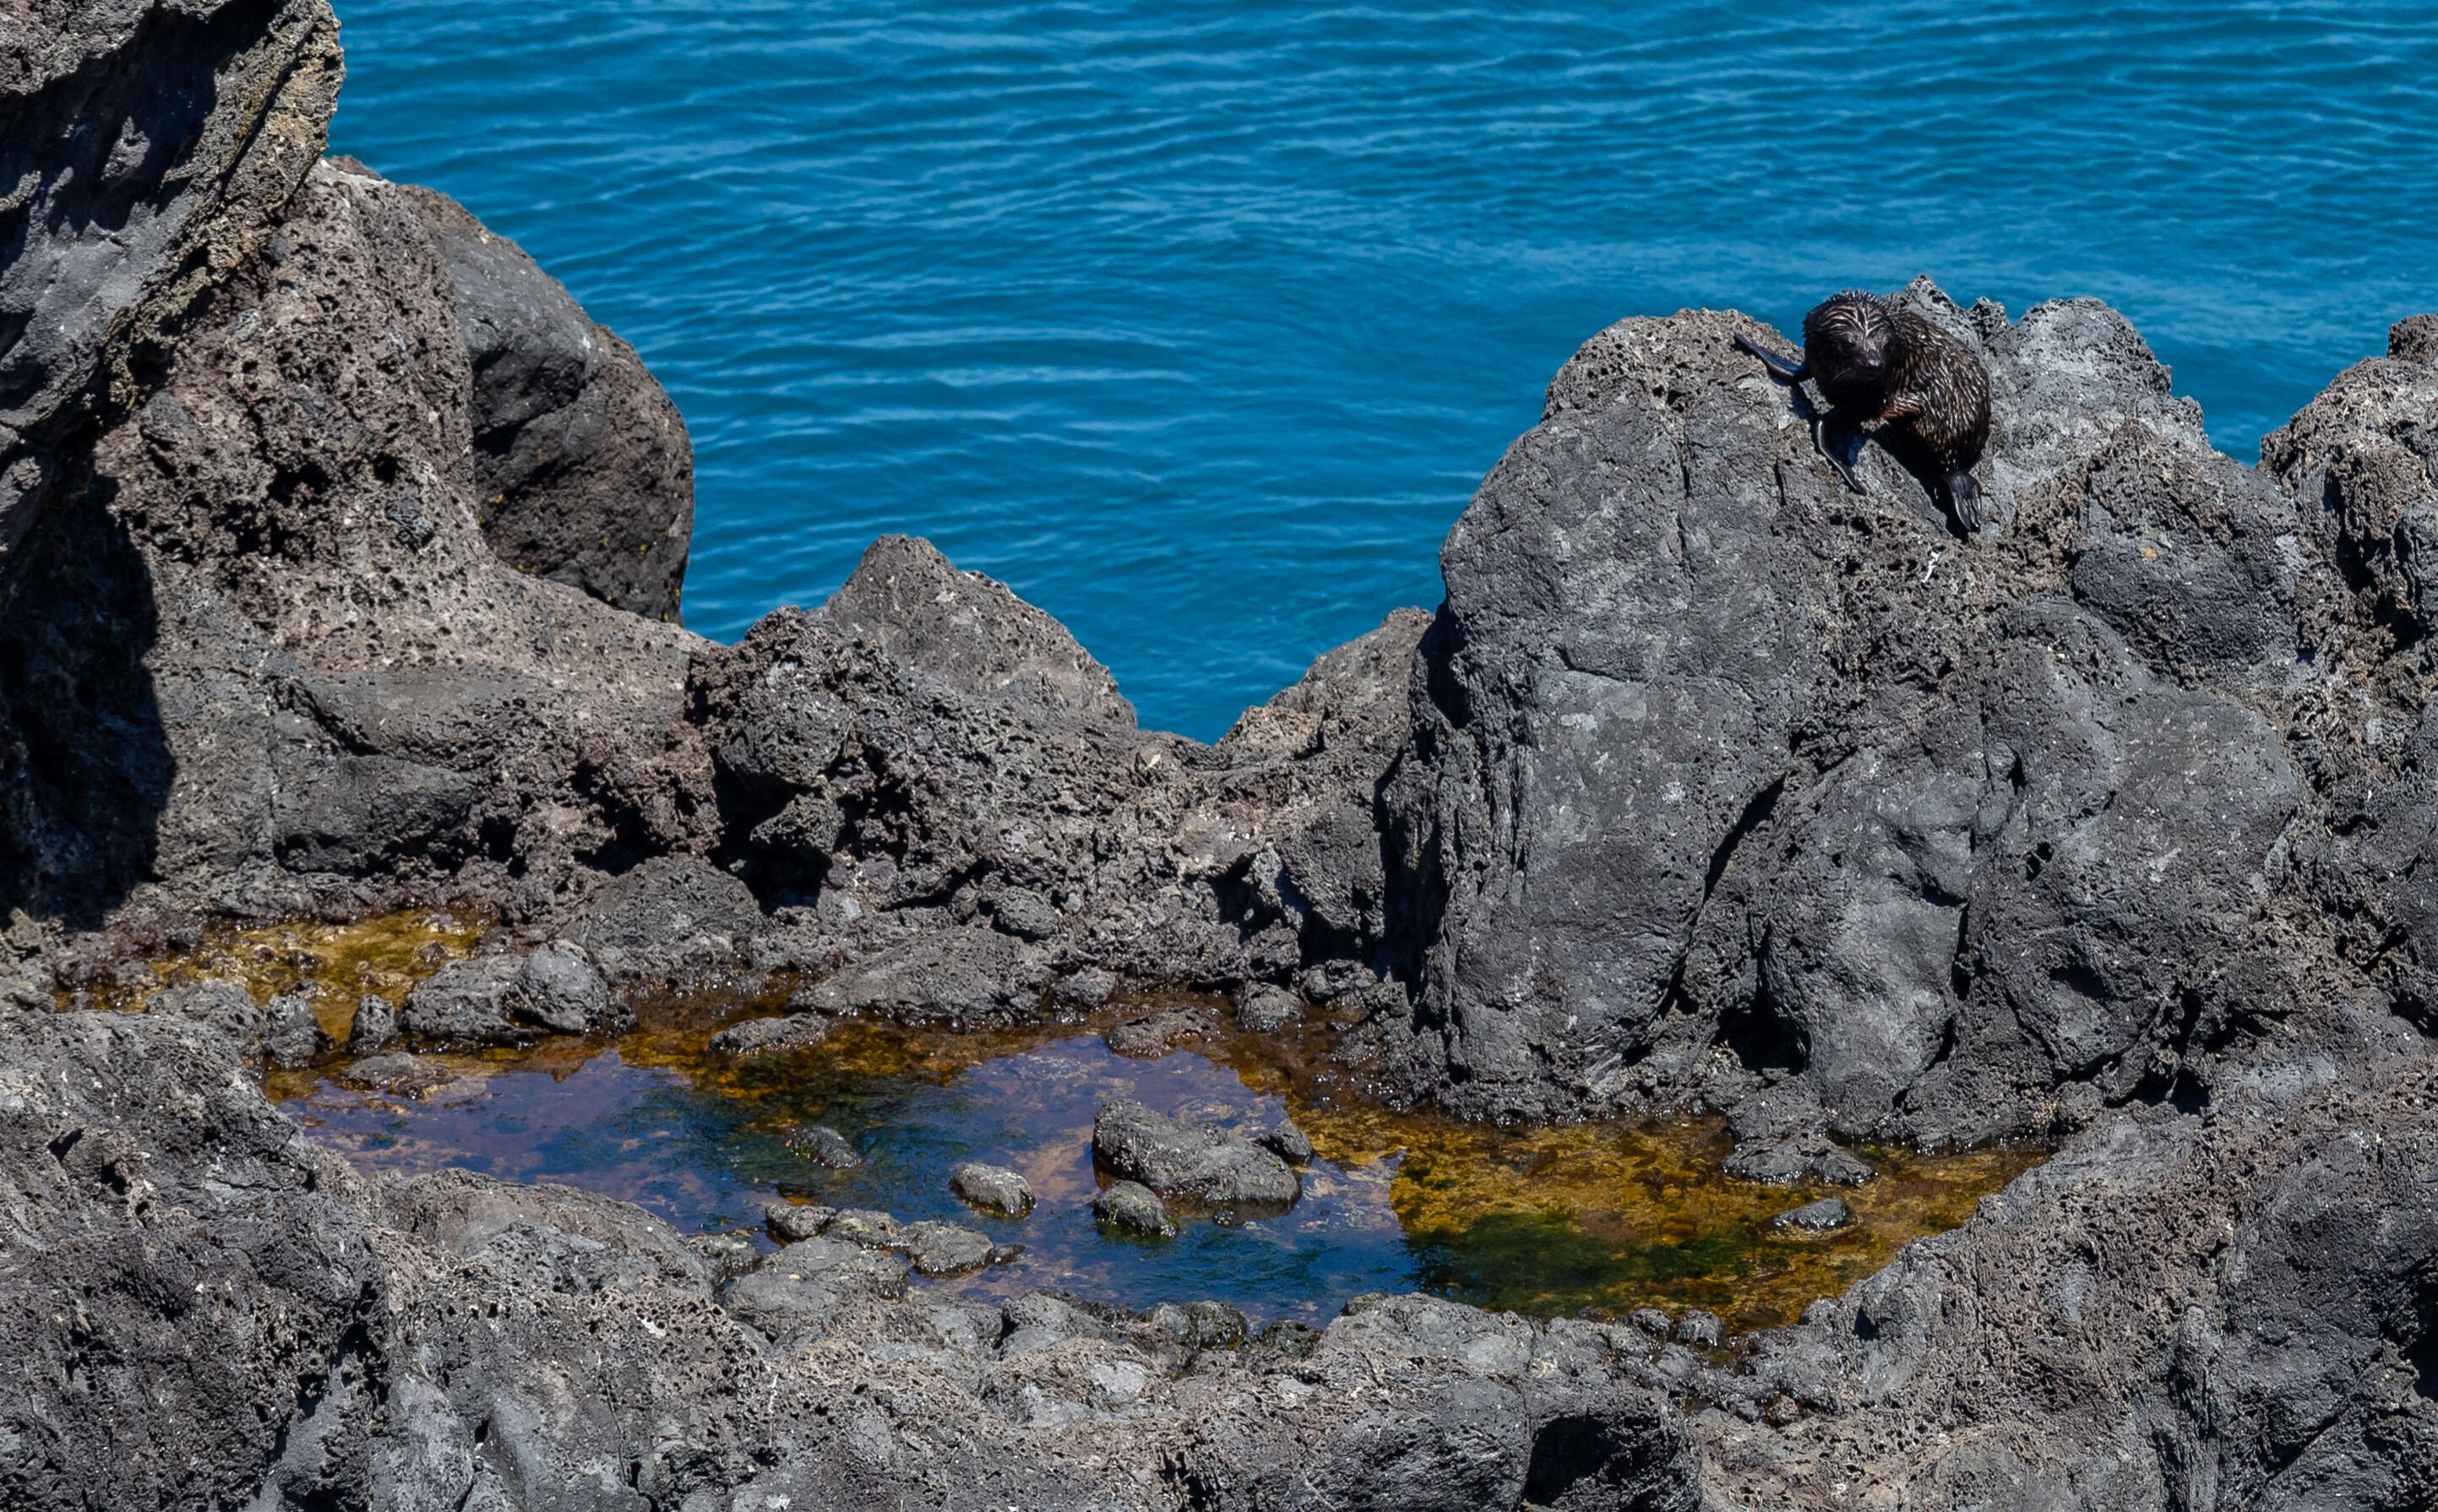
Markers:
{"x": 1543, "y": 1220}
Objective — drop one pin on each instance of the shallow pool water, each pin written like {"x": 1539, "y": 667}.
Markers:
{"x": 1549, "y": 1221}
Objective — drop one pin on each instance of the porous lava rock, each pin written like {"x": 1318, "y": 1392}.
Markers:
{"x": 150, "y": 148}
{"x": 582, "y": 469}
{"x": 1710, "y": 784}
{"x": 1725, "y": 778}
{"x": 1201, "y": 1163}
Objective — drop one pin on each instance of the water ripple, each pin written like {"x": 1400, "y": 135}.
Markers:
{"x": 1199, "y": 327}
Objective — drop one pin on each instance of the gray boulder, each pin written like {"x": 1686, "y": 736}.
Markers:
{"x": 992, "y": 1188}
{"x": 668, "y": 917}
{"x": 792, "y": 1223}
{"x": 582, "y": 462}
{"x": 1710, "y": 753}
{"x": 396, "y": 1072}
{"x": 1201, "y": 1163}
{"x": 825, "y": 1145}
{"x": 466, "y": 1003}
{"x": 1132, "y": 1207}
{"x": 558, "y": 988}
{"x": 1156, "y": 1034}
{"x": 281, "y": 1032}
{"x": 508, "y": 1000}
{"x": 1265, "y": 1009}
{"x": 800, "y": 1291}
{"x": 149, "y": 150}
{"x": 1815, "y": 1217}
{"x": 946, "y": 1249}
{"x": 374, "y": 1027}
{"x": 970, "y": 977}
{"x": 327, "y": 694}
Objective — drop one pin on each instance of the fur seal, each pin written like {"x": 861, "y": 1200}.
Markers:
{"x": 1877, "y": 361}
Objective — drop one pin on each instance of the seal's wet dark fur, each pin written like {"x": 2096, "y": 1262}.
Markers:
{"x": 1874, "y": 360}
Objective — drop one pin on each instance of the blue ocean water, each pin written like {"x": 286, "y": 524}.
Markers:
{"x": 1197, "y": 324}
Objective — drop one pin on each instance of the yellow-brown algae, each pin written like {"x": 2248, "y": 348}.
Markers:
{"x": 335, "y": 965}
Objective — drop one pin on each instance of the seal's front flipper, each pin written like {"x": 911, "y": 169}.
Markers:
{"x": 1965, "y": 502}
{"x": 1835, "y": 436}
{"x": 1779, "y": 368}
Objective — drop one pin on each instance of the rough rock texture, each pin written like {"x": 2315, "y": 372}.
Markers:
{"x": 927, "y": 741}
{"x": 1201, "y": 1163}
{"x": 508, "y": 1000}
{"x": 992, "y": 1188}
{"x": 194, "y": 1298}
{"x": 281, "y": 1032}
{"x": 783, "y": 1035}
{"x": 583, "y": 470}
{"x": 1131, "y": 1208}
{"x": 148, "y": 147}
{"x": 323, "y": 690}
{"x": 1724, "y": 778}
{"x": 1710, "y": 784}
{"x": 2175, "y": 1313}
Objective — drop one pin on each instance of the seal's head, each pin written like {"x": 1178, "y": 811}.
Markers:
{"x": 1849, "y": 342}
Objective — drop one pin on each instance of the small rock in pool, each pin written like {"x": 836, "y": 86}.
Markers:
{"x": 946, "y": 1249}
{"x": 825, "y": 1145}
{"x": 1200, "y": 1162}
{"x": 1815, "y": 1217}
{"x": 561, "y": 990}
{"x": 1133, "y": 1207}
{"x": 1267, "y": 1009}
{"x": 794, "y": 1223}
{"x": 1149, "y": 1038}
{"x": 1284, "y": 1140}
{"x": 1215, "y": 1325}
{"x": 1699, "y": 1328}
{"x": 407, "y": 1076}
{"x": 992, "y": 1188}
{"x": 1653, "y": 1321}
{"x": 293, "y": 1038}
{"x": 1797, "y": 1162}
{"x": 374, "y": 1028}
{"x": 771, "y": 1036}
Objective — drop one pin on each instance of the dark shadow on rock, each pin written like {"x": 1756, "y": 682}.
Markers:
{"x": 85, "y": 766}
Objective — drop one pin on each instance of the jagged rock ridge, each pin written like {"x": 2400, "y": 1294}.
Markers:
{"x": 1710, "y": 784}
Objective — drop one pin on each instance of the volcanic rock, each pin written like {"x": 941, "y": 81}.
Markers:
{"x": 396, "y": 1071}
{"x": 790, "y": 1223}
{"x": 1156, "y": 1034}
{"x": 281, "y": 1032}
{"x": 992, "y": 1188}
{"x": 1199, "y": 1162}
{"x": 1133, "y": 1208}
{"x": 581, "y": 460}
{"x": 1931, "y": 827}
{"x": 781, "y": 1035}
{"x": 967, "y": 977}
{"x": 1265, "y": 1009}
{"x": 1815, "y": 1217}
{"x": 1284, "y": 1140}
{"x": 825, "y": 1145}
{"x": 374, "y": 1027}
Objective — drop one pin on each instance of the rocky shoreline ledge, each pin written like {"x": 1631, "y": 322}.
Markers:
{"x": 342, "y": 557}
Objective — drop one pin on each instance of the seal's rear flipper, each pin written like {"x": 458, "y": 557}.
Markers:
{"x": 1779, "y": 368}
